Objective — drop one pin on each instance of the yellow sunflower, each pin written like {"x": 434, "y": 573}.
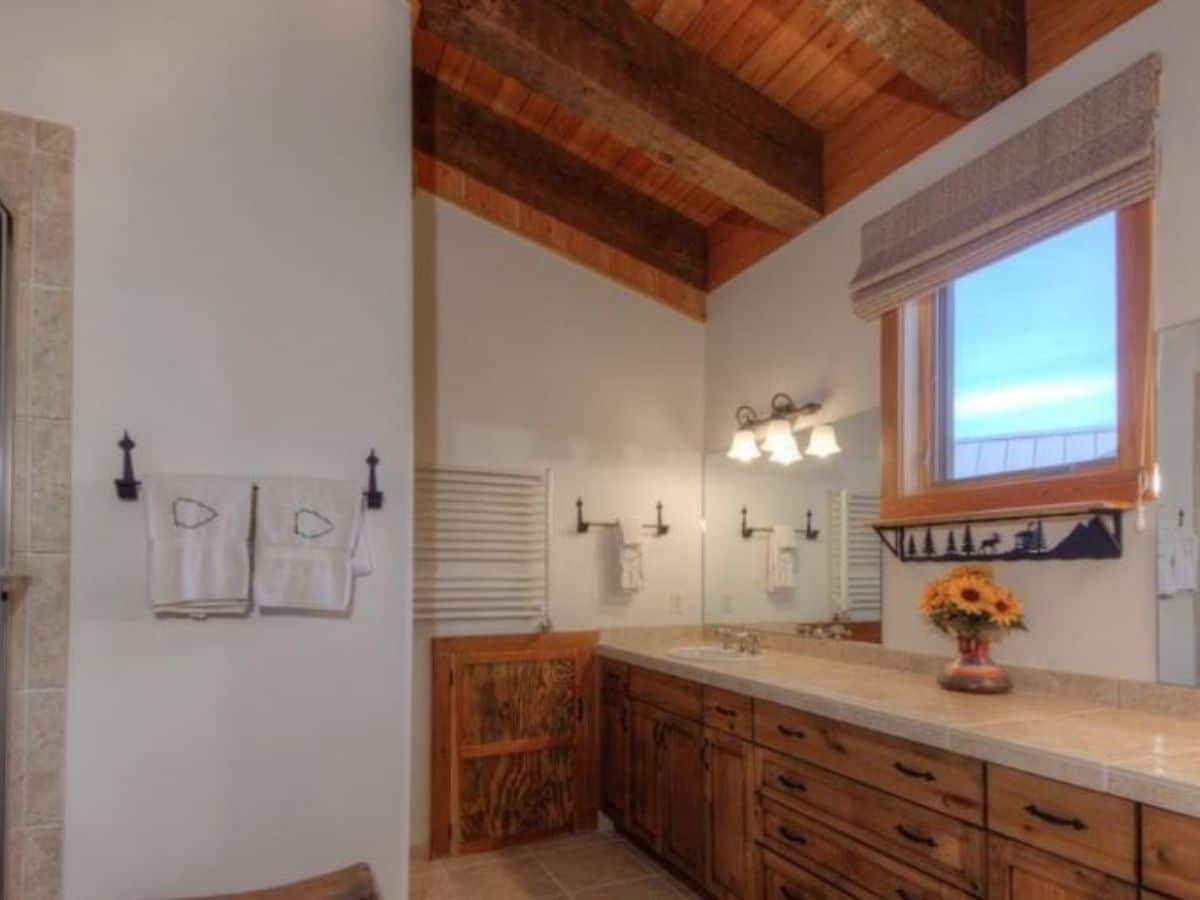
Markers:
{"x": 971, "y": 570}
{"x": 1006, "y": 609}
{"x": 971, "y": 594}
{"x": 934, "y": 597}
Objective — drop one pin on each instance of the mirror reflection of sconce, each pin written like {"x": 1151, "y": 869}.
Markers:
{"x": 778, "y": 433}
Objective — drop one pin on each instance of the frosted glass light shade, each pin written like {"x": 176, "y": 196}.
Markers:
{"x": 786, "y": 453}
{"x": 779, "y": 435}
{"x": 823, "y": 442}
{"x": 744, "y": 447}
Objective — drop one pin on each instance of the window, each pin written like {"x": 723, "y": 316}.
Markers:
{"x": 1026, "y": 383}
{"x": 1027, "y": 359}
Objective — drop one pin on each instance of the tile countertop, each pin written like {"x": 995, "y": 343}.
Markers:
{"x": 1149, "y": 758}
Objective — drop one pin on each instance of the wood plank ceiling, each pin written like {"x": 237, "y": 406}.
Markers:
{"x": 671, "y": 144}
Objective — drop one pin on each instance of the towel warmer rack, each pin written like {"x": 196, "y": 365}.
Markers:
{"x": 481, "y": 544}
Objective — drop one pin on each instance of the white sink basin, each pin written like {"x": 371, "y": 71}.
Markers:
{"x": 709, "y": 653}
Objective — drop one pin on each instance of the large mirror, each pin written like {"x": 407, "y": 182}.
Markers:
{"x": 1179, "y": 504}
{"x": 6, "y": 277}
{"x": 803, "y": 557}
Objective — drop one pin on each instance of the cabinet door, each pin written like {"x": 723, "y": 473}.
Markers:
{"x": 682, "y": 770}
{"x": 643, "y": 812}
{"x": 727, "y": 815}
{"x": 1018, "y": 872}
{"x": 614, "y": 760}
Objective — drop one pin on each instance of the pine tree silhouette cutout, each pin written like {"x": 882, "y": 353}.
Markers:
{"x": 951, "y": 546}
{"x": 912, "y": 546}
{"x": 929, "y": 548}
{"x": 968, "y": 545}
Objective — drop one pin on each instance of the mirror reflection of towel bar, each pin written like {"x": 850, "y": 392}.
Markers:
{"x": 128, "y": 485}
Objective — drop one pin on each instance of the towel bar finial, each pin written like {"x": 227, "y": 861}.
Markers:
{"x": 127, "y": 485}
{"x": 373, "y": 495}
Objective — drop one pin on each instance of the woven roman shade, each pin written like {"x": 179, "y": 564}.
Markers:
{"x": 1094, "y": 155}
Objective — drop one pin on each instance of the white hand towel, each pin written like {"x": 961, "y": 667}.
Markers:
{"x": 1186, "y": 551}
{"x": 630, "y": 528}
{"x": 781, "y": 559}
{"x": 199, "y": 553}
{"x": 308, "y": 533}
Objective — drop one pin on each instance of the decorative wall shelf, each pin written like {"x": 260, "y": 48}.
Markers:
{"x": 1096, "y": 535}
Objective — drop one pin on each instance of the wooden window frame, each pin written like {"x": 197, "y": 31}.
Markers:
{"x": 910, "y": 493}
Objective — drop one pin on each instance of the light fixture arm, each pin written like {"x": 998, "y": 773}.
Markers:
{"x": 782, "y": 407}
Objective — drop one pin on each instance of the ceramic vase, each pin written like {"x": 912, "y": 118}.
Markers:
{"x": 973, "y": 671}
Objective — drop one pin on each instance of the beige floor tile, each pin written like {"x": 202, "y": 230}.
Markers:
{"x": 592, "y": 864}
{"x": 655, "y": 888}
{"x": 520, "y": 878}
{"x": 471, "y": 860}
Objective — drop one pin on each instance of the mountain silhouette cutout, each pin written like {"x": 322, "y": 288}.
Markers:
{"x": 1088, "y": 540}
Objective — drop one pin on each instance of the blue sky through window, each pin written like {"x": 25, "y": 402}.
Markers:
{"x": 1035, "y": 338}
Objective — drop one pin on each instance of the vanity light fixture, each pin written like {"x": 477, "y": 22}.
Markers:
{"x": 777, "y": 429}
{"x": 823, "y": 442}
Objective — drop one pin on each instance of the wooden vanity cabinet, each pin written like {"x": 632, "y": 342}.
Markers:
{"x": 614, "y": 759}
{"x": 727, "y": 815}
{"x": 1020, "y": 872}
{"x": 666, "y": 799}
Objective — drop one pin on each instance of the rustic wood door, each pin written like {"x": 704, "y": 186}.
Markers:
{"x": 614, "y": 759}
{"x": 727, "y": 815}
{"x": 513, "y": 739}
{"x": 1018, "y": 872}
{"x": 643, "y": 817}
{"x": 682, "y": 774}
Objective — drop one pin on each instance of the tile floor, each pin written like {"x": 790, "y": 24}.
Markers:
{"x": 598, "y": 865}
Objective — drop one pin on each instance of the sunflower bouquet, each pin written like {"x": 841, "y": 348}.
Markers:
{"x": 966, "y": 601}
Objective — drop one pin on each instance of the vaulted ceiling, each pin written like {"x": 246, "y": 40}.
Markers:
{"x": 671, "y": 144}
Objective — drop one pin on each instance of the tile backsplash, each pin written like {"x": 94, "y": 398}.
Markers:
{"x": 37, "y": 186}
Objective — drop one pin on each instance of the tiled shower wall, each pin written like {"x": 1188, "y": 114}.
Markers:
{"x": 36, "y": 184}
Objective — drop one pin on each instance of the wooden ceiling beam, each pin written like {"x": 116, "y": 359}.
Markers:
{"x": 517, "y": 162}
{"x": 606, "y": 63}
{"x": 969, "y": 54}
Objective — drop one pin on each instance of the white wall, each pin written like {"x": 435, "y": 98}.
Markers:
{"x": 243, "y": 306}
{"x": 527, "y": 360}
{"x": 786, "y": 325}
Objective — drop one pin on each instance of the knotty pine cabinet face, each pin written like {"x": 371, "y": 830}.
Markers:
{"x": 727, "y": 815}
{"x": 614, "y": 759}
{"x": 643, "y": 817}
{"x": 1019, "y": 872}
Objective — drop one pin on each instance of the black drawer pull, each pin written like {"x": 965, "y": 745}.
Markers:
{"x": 792, "y": 784}
{"x": 913, "y": 773}
{"x": 903, "y": 894}
{"x": 909, "y": 835}
{"x": 725, "y": 711}
{"x": 788, "y": 895}
{"x": 1077, "y": 824}
{"x": 788, "y": 835}
{"x": 790, "y": 732}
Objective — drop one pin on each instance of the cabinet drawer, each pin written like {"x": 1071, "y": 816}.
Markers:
{"x": 943, "y": 781}
{"x": 667, "y": 692}
{"x": 728, "y": 712}
{"x": 614, "y": 680}
{"x": 781, "y": 880}
{"x": 1087, "y": 827}
{"x": 1171, "y": 853}
{"x": 1018, "y": 872}
{"x": 840, "y": 859}
{"x": 937, "y": 844}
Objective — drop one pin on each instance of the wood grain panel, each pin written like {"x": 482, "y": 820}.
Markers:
{"x": 728, "y": 814}
{"x": 1171, "y": 853}
{"x": 606, "y": 64}
{"x": 516, "y": 797}
{"x": 783, "y": 881}
{"x": 457, "y": 187}
{"x": 677, "y": 695}
{"x": 514, "y": 739}
{"x": 1018, "y": 872}
{"x": 517, "y": 162}
{"x": 937, "y": 844}
{"x": 1094, "y": 829}
{"x": 970, "y": 54}
{"x": 728, "y": 712}
{"x": 1058, "y": 29}
{"x": 943, "y": 781}
{"x": 843, "y": 860}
